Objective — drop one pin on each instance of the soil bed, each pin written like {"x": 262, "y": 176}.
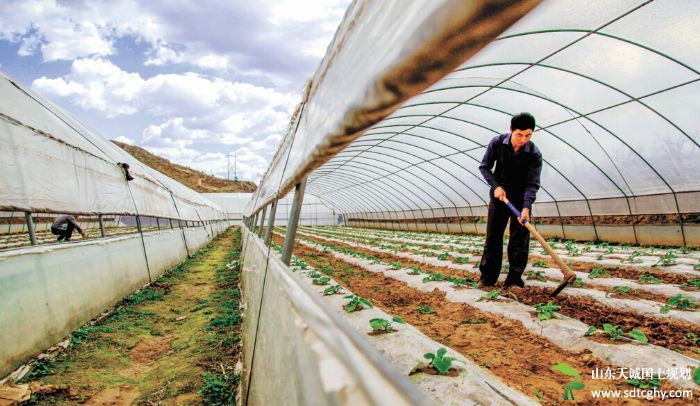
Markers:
{"x": 666, "y": 332}
{"x": 504, "y": 347}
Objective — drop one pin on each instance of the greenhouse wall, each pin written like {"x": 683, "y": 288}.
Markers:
{"x": 47, "y": 291}
{"x": 326, "y": 362}
{"x": 659, "y": 234}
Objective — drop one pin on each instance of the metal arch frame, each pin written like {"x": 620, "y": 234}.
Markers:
{"x": 469, "y": 156}
{"x": 445, "y": 156}
{"x": 588, "y": 33}
{"x": 579, "y": 115}
{"x": 399, "y": 192}
{"x": 429, "y": 161}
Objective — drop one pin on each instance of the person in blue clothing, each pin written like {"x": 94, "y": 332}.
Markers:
{"x": 516, "y": 177}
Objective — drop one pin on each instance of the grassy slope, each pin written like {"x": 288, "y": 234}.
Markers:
{"x": 196, "y": 180}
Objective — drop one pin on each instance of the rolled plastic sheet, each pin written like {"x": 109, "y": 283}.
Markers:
{"x": 383, "y": 53}
{"x": 325, "y": 361}
{"x": 53, "y": 163}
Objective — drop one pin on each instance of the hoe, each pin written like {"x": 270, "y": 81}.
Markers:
{"x": 569, "y": 275}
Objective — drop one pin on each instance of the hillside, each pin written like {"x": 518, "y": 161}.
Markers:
{"x": 196, "y": 180}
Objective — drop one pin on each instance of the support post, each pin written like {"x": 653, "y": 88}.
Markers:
{"x": 270, "y": 223}
{"x": 30, "y": 226}
{"x": 102, "y": 225}
{"x": 262, "y": 221}
{"x": 254, "y": 222}
{"x": 293, "y": 222}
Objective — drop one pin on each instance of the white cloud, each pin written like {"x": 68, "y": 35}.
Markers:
{"x": 125, "y": 140}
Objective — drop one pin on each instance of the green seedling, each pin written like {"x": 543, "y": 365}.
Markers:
{"x": 633, "y": 257}
{"x": 444, "y": 256}
{"x": 425, "y": 310}
{"x": 396, "y": 266}
{"x": 600, "y": 257}
{"x": 439, "y": 361}
{"x": 332, "y": 290}
{"x": 638, "y": 335}
{"x": 434, "y": 277}
{"x": 590, "y": 331}
{"x": 679, "y": 301}
{"x": 462, "y": 260}
{"x": 462, "y": 282}
{"x": 693, "y": 338}
{"x": 613, "y": 331}
{"x": 696, "y": 267}
{"x": 321, "y": 281}
{"x": 598, "y": 272}
{"x": 535, "y": 275}
{"x": 428, "y": 253}
{"x": 669, "y": 258}
{"x": 546, "y": 311}
{"x": 578, "y": 283}
{"x": 414, "y": 270}
{"x": 356, "y": 304}
{"x": 696, "y": 375}
{"x": 540, "y": 264}
{"x": 648, "y": 279}
{"x": 314, "y": 275}
{"x": 618, "y": 289}
{"x": 692, "y": 283}
{"x": 493, "y": 295}
{"x": 645, "y": 383}
{"x": 326, "y": 270}
{"x": 384, "y": 326}
{"x": 299, "y": 262}
{"x": 575, "y": 384}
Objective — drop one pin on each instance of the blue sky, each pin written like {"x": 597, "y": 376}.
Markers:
{"x": 188, "y": 80}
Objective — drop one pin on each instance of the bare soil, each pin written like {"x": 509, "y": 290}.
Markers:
{"x": 665, "y": 332}
{"x": 504, "y": 347}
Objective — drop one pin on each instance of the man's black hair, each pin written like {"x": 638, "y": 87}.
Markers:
{"x": 522, "y": 121}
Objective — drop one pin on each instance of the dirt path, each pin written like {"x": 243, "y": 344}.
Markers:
{"x": 175, "y": 342}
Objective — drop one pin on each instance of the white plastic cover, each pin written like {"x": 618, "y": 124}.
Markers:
{"x": 314, "y": 212}
{"x": 613, "y": 86}
{"x": 54, "y": 163}
{"x": 383, "y": 53}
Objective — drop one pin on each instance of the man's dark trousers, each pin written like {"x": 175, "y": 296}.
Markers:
{"x": 518, "y": 244}
{"x": 63, "y": 234}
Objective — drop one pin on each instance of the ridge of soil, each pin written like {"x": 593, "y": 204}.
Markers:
{"x": 504, "y": 347}
{"x": 668, "y": 333}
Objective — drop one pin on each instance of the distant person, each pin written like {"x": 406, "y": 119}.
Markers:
{"x": 516, "y": 177}
{"x": 64, "y": 225}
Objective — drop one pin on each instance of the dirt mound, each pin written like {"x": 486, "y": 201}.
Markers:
{"x": 196, "y": 180}
{"x": 122, "y": 395}
{"x": 151, "y": 349}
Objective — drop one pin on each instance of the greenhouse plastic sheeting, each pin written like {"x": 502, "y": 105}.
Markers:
{"x": 326, "y": 362}
{"x": 53, "y": 163}
{"x": 613, "y": 86}
{"x": 382, "y": 53}
{"x": 313, "y": 211}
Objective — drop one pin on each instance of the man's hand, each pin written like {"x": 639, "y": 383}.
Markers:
{"x": 525, "y": 213}
{"x": 499, "y": 193}
{"x": 84, "y": 234}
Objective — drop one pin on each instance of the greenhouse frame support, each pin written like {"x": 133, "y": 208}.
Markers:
{"x": 270, "y": 222}
{"x": 30, "y": 226}
{"x": 293, "y": 222}
{"x": 102, "y": 225}
{"x": 262, "y": 221}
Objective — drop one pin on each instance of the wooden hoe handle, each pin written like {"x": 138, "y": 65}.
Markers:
{"x": 569, "y": 275}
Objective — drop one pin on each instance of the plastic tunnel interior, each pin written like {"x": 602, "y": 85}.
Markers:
{"x": 613, "y": 87}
